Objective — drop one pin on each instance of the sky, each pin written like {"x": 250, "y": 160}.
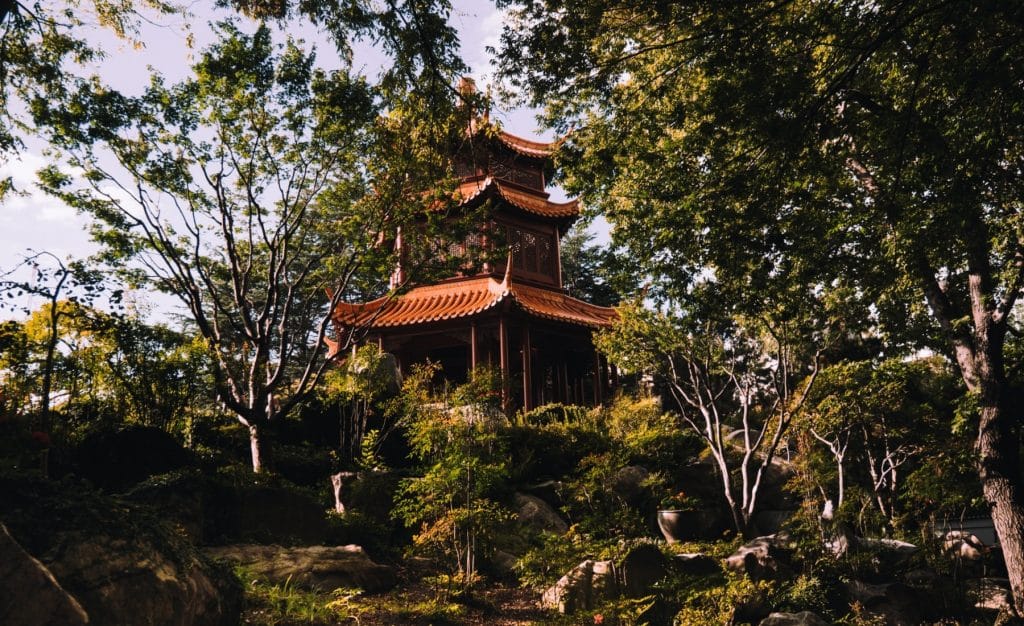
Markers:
{"x": 34, "y": 221}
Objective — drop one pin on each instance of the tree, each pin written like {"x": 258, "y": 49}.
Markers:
{"x": 878, "y": 420}
{"x": 62, "y": 286}
{"x": 464, "y": 465}
{"x": 875, "y": 146}
{"x": 737, "y": 386}
{"x": 585, "y": 268}
{"x": 246, "y": 192}
{"x": 41, "y": 43}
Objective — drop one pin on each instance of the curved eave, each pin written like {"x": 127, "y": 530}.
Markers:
{"x": 448, "y": 301}
{"x": 560, "y": 307}
{"x": 424, "y": 305}
{"x": 526, "y": 147}
{"x": 532, "y": 202}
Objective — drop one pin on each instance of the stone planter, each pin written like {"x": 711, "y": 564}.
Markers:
{"x": 678, "y": 525}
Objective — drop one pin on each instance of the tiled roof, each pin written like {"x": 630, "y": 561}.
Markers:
{"x": 536, "y": 149}
{"x": 467, "y": 298}
{"x": 530, "y": 201}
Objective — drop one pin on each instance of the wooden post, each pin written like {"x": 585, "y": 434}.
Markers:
{"x": 597, "y": 378}
{"x": 472, "y": 346}
{"x": 527, "y": 373}
{"x": 503, "y": 361}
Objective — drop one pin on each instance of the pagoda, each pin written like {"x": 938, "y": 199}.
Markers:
{"x": 513, "y": 314}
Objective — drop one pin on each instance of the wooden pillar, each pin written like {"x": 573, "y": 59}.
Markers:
{"x": 472, "y": 346}
{"x": 559, "y": 383}
{"x": 527, "y": 371}
{"x": 597, "y": 379}
{"x": 503, "y": 361}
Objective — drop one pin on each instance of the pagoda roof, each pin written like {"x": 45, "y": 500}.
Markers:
{"x": 467, "y": 298}
{"x": 526, "y": 147}
{"x": 543, "y": 150}
{"x": 529, "y": 200}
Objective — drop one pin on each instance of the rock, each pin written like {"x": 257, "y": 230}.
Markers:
{"x": 964, "y": 546}
{"x": 23, "y": 577}
{"x": 643, "y": 566}
{"x": 314, "y": 567}
{"x": 761, "y": 558}
{"x": 115, "y": 461}
{"x": 582, "y": 588}
{"x": 122, "y": 581}
{"x": 538, "y": 514}
{"x": 897, "y": 603}
{"x": 991, "y": 594}
{"x": 694, "y": 564}
{"x": 627, "y": 483}
{"x": 122, "y": 564}
{"x": 803, "y": 618}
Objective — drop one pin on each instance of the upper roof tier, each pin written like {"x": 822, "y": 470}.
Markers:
{"x": 524, "y": 199}
{"x": 525, "y": 147}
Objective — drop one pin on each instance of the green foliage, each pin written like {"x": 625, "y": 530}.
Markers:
{"x": 551, "y": 413}
{"x": 586, "y": 268}
{"x": 453, "y": 503}
{"x": 268, "y": 604}
{"x": 553, "y": 555}
{"x": 728, "y": 602}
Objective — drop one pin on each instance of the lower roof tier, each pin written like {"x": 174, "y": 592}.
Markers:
{"x": 468, "y": 298}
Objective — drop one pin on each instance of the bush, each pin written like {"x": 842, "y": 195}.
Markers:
{"x": 550, "y": 452}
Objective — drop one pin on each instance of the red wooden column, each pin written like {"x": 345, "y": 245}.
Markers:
{"x": 473, "y": 356}
{"x": 527, "y": 371}
{"x": 503, "y": 361}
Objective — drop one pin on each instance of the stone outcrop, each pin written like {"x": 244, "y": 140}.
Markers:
{"x": 121, "y": 581}
{"x": 313, "y": 567}
{"x": 642, "y": 566}
{"x": 990, "y": 594}
{"x": 762, "y": 558}
{"x": 538, "y": 514}
{"x": 628, "y": 484}
{"x": 896, "y": 603}
{"x": 29, "y": 593}
{"x": 803, "y": 618}
{"x": 582, "y": 588}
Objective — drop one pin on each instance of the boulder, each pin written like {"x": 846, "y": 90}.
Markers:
{"x": 313, "y": 567}
{"x": 642, "y": 566}
{"x": 23, "y": 577}
{"x": 762, "y": 558}
{"x": 991, "y": 594}
{"x": 538, "y": 514}
{"x": 628, "y": 483}
{"x": 964, "y": 546}
{"x": 137, "y": 581}
{"x": 121, "y": 563}
{"x": 582, "y": 588}
{"x": 896, "y": 603}
{"x": 803, "y": 618}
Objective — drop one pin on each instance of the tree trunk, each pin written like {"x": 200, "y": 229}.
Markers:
{"x": 260, "y": 448}
{"x": 999, "y": 470}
